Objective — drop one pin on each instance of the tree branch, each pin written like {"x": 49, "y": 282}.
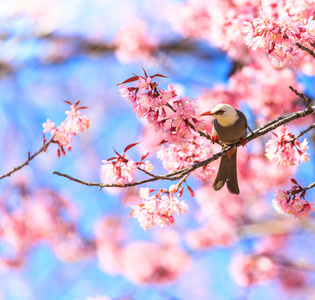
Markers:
{"x": 30, "y": 157}
{"x": 178, "y": 174}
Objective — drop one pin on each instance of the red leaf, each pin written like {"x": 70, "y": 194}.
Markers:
{"x": 68, "y": 102}
{"x": 118, "y": 153}
{"x": 83, "y": 107}
{"x": 145, "y": 73}
{"x": 293, "y": 180}
{"x": 138, "y": 76}
{"x": 159, "y": 75}
{"x": 130, "y": 146}
{"x": 131, "y": 79}
{"x": 161, "y": 143}
{"x": 111, "y": 158}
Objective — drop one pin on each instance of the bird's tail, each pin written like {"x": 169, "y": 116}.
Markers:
{"x": 227, "y": 173}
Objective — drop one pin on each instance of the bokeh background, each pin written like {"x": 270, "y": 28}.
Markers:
{"x": 63, "y": 50}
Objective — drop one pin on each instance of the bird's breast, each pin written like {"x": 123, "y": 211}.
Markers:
{"x": 230, "y": 134}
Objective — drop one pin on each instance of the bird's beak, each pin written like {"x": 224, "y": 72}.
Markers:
{"x": 207, "y": 113}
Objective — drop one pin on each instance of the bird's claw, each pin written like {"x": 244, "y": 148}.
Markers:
{"x": 243, "y": 142}
{"x": 214, "y": 138}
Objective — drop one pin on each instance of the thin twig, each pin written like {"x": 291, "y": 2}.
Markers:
{"x": 302, "y": 96}
{"x": 146, "y": 172}
{"x": 182, "y": 180}
{"x": 310, "y": 186}
{"x": 178, "y": 174}
{"x": 309, "y": 51}
{"x": 30, "y": 157}
{"x": 302, "y": 133}
{"x": 251, "y": 131}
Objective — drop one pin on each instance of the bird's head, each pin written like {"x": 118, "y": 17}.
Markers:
{"x": 224, "y": 113}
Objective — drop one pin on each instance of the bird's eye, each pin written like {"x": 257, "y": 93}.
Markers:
{"x": 219, "y": 112}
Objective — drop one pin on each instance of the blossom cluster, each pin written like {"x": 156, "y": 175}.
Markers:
{"x": 292, "y": 204}
{"x": 223, "y": 22}
{"x": 263, "y": 87}
{"x": 158, "y": 209}
{"x": 40, "y": 216}
{"x": 169, "y": 113}
{"x": 247, "y": 270}
{"x": 285, "y": 149}
{"x": 121, "y": 170}
{"x": 278, "y": 36}
{"x": 63, "y": 133}
{"x": 134, "y": 43}
{"x": 160, "y": 262}
{"x": 177, "y": 157}
{"x": 267, "y": 263}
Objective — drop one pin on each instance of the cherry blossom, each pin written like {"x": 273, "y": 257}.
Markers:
{"x": 219, "y": 232}
{"x": 176, "y": 157}
{"x": 263, "y": 88}
{"x": 63, "y": 133}
{"x": 292, "y": 279}
{"x": 134, "y": 43}
{"x": 252, "y": 269}
{"x": 278, "y": 36}
{"x": 146, "y": 166}
{"x": 159, "y": 263}
{"x": 121, "y": 171}
{"x": 292, "y": 205}
{"x": 41, "y": 216}
{"x": 284, "y": 149}
{"x": 157, "y": 210}
{"x": 168, "y": 112}
{"x": 191, "y": 19}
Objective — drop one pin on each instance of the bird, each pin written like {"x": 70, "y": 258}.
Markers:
{"x": 229, "y": 127}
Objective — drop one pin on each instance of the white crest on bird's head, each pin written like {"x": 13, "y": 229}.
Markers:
{"x": 225, "y": 114}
